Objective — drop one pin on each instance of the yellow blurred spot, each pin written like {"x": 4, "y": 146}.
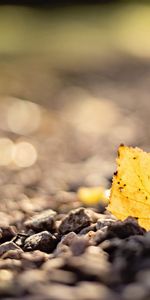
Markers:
{"x": 25, "y": 154}
{"x": 92, "y": 195}
{"x": 23, "y": 117}
{"x": 6, "y": 151}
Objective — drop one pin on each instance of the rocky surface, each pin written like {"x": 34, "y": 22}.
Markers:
{"x": 82, "y": 254}
{"x": 51, "y": 245}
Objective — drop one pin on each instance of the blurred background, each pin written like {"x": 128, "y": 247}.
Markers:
{"x": 74, "y": 84}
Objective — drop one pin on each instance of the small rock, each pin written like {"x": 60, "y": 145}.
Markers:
{"x": 30, "y": 279}
{"x": 20, "y": 238}
{"x": 77, "y": 219}
{"x": 124, "y": 229}
{"x": 7, "y": 246}
{"x": 63, "y": 277}
{"x": 100, "y": 236}
{"x": 13, "y": 254}
{"x": 104, "y": 222}
{"x": 135, "y": 291}
{"x": 87, "y": 229}
{"x": 7, "y": 284}
{"x": 146, "y": 242}
{"x": 11, "y": 264}
{"x": 63, "y": 250}
{"x": 68, "y": 238}
{"x": 90, "y": 237}
{"x": 57, "y": 291}
{"x": 54, "y": 263}
{"x": 94, "y": 291}
{"x": 111, "y": 246}
{"x": 79, "y": 245}
{"x": 93, "y": 250}
{"x": 143, "y": 278}
{"x": 65, "y": 243}
{"x": 36, "y": 258}
{"x": 42, "y": 221}
{"x": 90, "y": 265}
{"x": 6, "y": 233}
{"x": 129, "y": 256}
{"x": 43, "y": 241}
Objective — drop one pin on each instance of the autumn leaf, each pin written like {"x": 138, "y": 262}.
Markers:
{"x": 130, "y": 192}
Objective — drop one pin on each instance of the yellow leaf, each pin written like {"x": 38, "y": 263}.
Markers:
{"x": 92, "y": 195}
{"x": 130, "y": 192}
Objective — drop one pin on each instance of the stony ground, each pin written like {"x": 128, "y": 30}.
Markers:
{"x": 51, "y": 247}
{"x": 82, "y": 254}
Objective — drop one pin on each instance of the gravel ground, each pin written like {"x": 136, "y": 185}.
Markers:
{"x": 50, "y": 246}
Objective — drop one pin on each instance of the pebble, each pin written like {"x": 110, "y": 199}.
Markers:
{"x": 57, "y": 291}
{"x": 43, "y": 241}
{"x": 77, "y": 219}
{"x": 13, "y": 254}
{"x": 63, "y": 277}
{"x": 30, "y": 279}
{"x": 124, "y": 229}
{"x": 100, "y": 236}
{"x": 35, "y": 258}
{"x": 19, "y": 239}
{"x": 7, "y": 284}
{"x": 62, "y": 250}
{"x": 94, "y": 291}
{"x": 7, "y": 233}
{"x": 143, "y": 277}
{"x": 88, "y": 228}
{"x": 90, "y": 266}
{"x": 42, "y": 221}
{"x": 7, "y": 246}
{"x": 54, "y": 263}
{"x": 11, "y": 264}
{"x": 135, "y": 291}
{"x": 111, "y": 246}
{"x": 103, "y": 222}
{"x": 68, "y": 238}
{"x": 79, "y": 245}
